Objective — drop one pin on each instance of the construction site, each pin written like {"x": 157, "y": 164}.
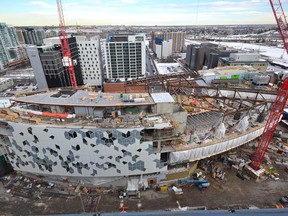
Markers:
{"x": 230, "y": 188}
{"x": 207, "y": 162}
{"x": 168, "y": 143}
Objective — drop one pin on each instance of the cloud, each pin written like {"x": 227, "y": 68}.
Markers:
{"x": 145, "y": 12}
{"x": 129, "y": 1}
{"x": 71, "y": 4}
{"x": 218, "y": 4}
{"x": 40, "y": 4}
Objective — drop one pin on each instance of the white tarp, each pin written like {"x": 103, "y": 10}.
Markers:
{"x": 132, "y": 184}
{"x": 210, "y": 150}
{"x": 243, "y": 124}
{"x": 220, "y": 131}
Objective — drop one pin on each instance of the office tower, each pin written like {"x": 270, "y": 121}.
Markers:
{"x": 163, "y": 48}
{"x": 46, "y": 61}
{"x": 125, "y": 56}
{"x": 195, "y": 57}
{"x": 178, "y": 39}
{"x": 212, "y": 60}
{"x": 90, "y": 60}
{"x": 208, "y": 55}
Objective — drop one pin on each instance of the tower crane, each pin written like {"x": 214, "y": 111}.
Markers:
{"x": 67, "y": 59}
{"x": 281, "y": 98}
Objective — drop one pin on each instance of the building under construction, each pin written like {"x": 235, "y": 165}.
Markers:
{"x": 150, "y": 129}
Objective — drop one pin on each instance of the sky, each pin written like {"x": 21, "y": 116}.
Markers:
{"x": 138, "y": 12}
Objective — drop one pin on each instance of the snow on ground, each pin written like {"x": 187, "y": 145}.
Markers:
{"x": 277, "y": 54}
{"x": 271, "y": 52}
{"x": 168, "y": 68}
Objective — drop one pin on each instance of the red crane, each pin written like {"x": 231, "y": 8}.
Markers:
{"x": 67, "y": 60}
{"x": 281, "y": 98}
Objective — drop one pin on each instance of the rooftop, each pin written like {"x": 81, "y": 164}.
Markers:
{"x": 227, "y": 70}
{"x": 162, "y": 97}
{"x": 229, "y": 59}
{"x": 86, "y": 98}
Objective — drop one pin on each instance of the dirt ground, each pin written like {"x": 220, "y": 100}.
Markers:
{"x": 231, "y": 192}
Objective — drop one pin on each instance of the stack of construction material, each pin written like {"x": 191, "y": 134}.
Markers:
{"x": 9, "y": 115}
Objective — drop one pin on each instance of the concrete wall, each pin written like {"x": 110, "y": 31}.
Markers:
{"x": 34, "y": 58}
{"x": 164, "y": 108}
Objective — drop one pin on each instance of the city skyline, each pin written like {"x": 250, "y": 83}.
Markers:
{"x": 137, "y": 12}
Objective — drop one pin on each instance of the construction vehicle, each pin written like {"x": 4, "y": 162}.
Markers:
{"x": 200, "y": 183}
{"x": 281, "y": 98}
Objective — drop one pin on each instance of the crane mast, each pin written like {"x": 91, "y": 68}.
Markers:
{"x": 67, "y": 59}
{"x": 281, "y": 98}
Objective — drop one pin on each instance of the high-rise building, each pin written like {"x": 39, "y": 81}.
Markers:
{"x": 163, "y": 48}
{"x": 31, "y": 36}
{"x": 205, "y": 55}
{"x": 20, "y": 36}
{"x": 125, "y": 56}
{"x": 8, "y": 33}
{"x": 178, "y": 39}
{"x": 8, "y": 40}
{"x": 195, "y": 57}
{"x": 4, "y": 54}
{"x": 46, "y": 61}
{"x": 90, "y": 60}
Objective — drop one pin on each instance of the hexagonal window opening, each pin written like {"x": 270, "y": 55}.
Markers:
{"x": 77, "y": 147}
{"x": 36, "y": 140}
{"x": 72, "y": 134}
{"x": 89, "y": 134}
{"x": 128, "y": 134}
{"x": 35, "y": 149}
{"x": 85, "y": 141}
{"x": 29, "y": 129}
{"x": 25, "y": 142}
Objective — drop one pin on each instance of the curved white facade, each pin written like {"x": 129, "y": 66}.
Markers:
{"x": 82, "y": 152}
